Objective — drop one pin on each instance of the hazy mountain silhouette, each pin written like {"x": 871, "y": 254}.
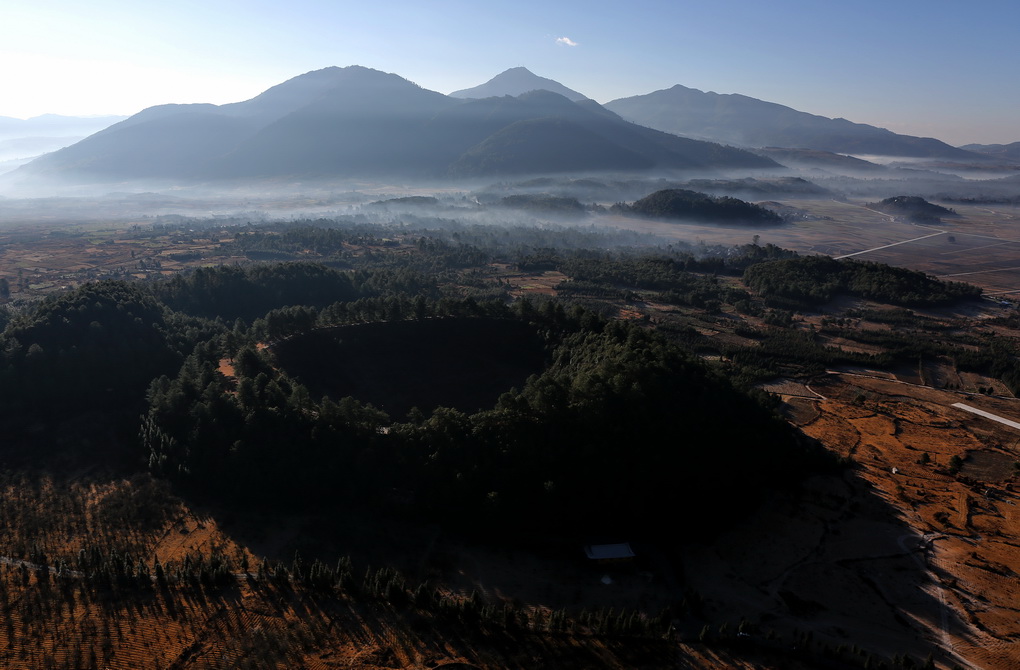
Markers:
{"x": 515, "y": 81}
{"x": 24, "y": 139}
{"x": 366, "y": 121}
{"x": 1010, "y": 152}
{"x": 54, "y": 125}
{"x": 823, "y": 160}
{"x": 749, "y": 122}
{"x": 357, "y": 121}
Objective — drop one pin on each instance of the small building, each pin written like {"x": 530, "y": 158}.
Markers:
{"x": 609, "y": 553}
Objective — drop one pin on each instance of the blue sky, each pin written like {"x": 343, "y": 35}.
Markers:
{"x": 939, "y": 68}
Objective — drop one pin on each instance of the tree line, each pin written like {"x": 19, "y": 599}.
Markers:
{"x": 813, "y": 280}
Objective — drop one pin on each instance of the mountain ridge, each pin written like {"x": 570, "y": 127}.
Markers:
{"x": 358, "y": 121}
{"x": 514, "y": 82}
{"x": 749, "y": 122}
{"x": 231, "y": 130}
{"x": 1009, "y": 152}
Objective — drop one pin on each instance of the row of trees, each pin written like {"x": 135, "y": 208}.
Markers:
{"x": 677, "y": 203}
{"x": 813, "y": 280}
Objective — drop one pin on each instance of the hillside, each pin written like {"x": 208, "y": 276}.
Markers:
{"x": 683, "y": 204}
{"x": 748, "y": 122}
{"x": 757, "y": 189}
{"x": 1010, "y": 152}
{"x": 912, "y": 207}
{"x": 461, "y": 363}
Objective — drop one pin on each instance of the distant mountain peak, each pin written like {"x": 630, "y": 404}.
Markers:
{"x": 514, "y": 82}
{"x": 739, "y": 120}
{"x": 355, "y": 121}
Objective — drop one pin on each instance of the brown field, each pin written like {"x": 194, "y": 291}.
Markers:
{"x": 981, "y": 246}
{"x": 851, "y": 228}
{"x": 58, "y": 615}
{"x": 531, "y": 284}
{"x": 893, "y": 557}
{"x": 43, "y": 256}
{"x": 896, "y": 555}
{"x": 58, "y": 618}
{"x": 944, "y": 560}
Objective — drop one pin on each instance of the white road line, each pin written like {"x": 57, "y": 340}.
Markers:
{"x": 986, "y": 237}
{"x": 987, "y": 415}
{"x": 966, "y": 250}
{"x": 981, "y": 272}
{"x": 867, "y": 251}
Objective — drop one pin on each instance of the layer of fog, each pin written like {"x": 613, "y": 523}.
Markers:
{"x": 23, "y": 140}
{"x": 975, "y": 171}
{"x": 472, "y": 201}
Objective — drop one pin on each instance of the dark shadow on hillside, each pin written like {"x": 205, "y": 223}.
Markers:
{"x": 461, "y": 363}
{"x": 829, "y": 564}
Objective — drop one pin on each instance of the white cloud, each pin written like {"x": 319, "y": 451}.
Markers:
{"x": 566, "y": 41}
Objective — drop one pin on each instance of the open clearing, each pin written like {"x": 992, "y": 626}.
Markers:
{"x": 980, "y": 247}
{"x": 898, "y": 555}
{"x": 959, "y": 532}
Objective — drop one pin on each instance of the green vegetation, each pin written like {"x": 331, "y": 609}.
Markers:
{"x": 675, "y": 203}
{"x": 414, "y": 358}
{"x": 583, "y": 421}
{"x": 913, "y": 208}
{"x": 413, "y": 200}
{"x": 549, "y": 204}
{"x": 523, "y": 386}
{"x": 813, "y": 280}
{"x": 585, "y": 444}
{"x": 232, "y": 292}
{"x": 96, "y": 347}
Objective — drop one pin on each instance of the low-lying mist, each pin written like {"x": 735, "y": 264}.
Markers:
{"x": 565, "y": 200}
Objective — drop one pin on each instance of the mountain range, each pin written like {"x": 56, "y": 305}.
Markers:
{"x": 1009, "y": 152}
{"x": 355, "y": 121}
{"x": 749, "y": 122}
{"x": 24, "y": 139}
{"x": 54, "y": 125}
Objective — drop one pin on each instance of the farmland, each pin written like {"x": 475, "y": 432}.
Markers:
{"x": 898, "y": 542}
{"x": 980, "y": 247}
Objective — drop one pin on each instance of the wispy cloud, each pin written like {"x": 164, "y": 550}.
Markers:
{"x": 566, "y": 41}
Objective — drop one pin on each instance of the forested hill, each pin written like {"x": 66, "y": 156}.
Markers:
{"x": 912, "y": 207}
{"x": 675, "y": 203}
{"x": 598, "y": 422}
{"x": 614, "y": 424}
{"x": 814, "y": 280}
{"x": 619, "y": 425}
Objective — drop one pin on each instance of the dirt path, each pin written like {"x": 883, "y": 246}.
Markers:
{"x": 894, "y": 244}
{"x": 987, "y": 415}
{"x": 886, "y": 246}
{"x": 961, "y": 543}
